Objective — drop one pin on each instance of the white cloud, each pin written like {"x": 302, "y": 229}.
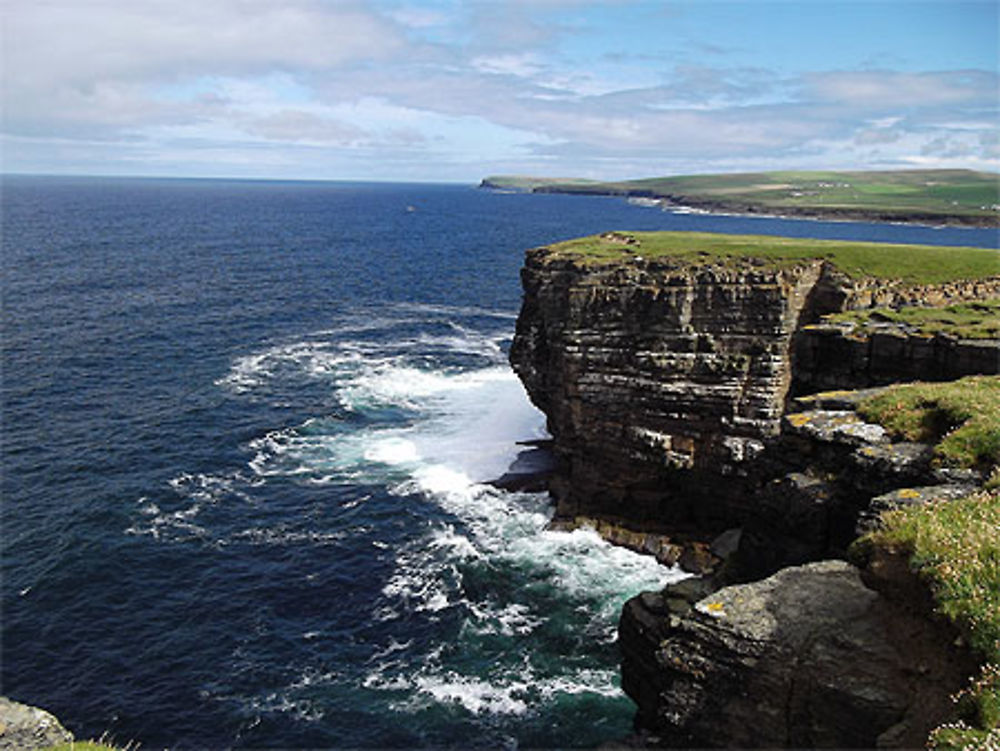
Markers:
{"x": 392, "y": 86}
{"x": 894, "y": 90}
{"x": 524, "y": 65}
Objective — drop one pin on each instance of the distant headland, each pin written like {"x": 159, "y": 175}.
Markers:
{"x": 952, "y": 197}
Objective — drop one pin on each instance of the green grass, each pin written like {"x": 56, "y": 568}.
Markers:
{"x": 917, "y": 264}
{"x": 955, "y": 547}
{"x": 902, "y": 193}
{"x": 961, "y": 418}
{"x": 972, "y": 320}
{"x": 526, "y": 182}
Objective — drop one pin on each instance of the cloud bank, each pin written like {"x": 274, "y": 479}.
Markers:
{"x": 452, "y": 90}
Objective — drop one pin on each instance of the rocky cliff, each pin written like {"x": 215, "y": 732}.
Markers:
{"x": 673, "y": 391}
{"x": 664, "y": 380}
{"x": 654, "y": 375}
{"x": 810, "y": 657}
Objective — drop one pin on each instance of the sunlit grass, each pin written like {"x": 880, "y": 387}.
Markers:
{"x": 955, "y": 547}
{"x": 961, "y": 418}
{"x": 916, "y": 264}
{"x": 928, "y": 194}
{"x": 970, "y": 320}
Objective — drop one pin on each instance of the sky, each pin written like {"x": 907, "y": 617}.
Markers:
{"x": 454, "y": 90}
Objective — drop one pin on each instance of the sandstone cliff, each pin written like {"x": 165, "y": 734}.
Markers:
{"x": 675, "y": 394}
{"x": 652, "y": 375}
{"x": 665, "y": 381}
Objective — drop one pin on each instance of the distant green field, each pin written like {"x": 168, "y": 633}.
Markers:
{"x": 926, "y": 195}
{"x": 917, "y": 264}
{"x": 524, "y": 182}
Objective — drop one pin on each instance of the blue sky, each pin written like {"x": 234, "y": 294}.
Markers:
{"x": 452, "y": 90}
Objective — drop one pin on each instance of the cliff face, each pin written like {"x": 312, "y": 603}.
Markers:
{"x": 654, "y": 376}
{"x": 672, "y": 391}
{"x": 665, "y": 382}
{"x": 808, "y": 658}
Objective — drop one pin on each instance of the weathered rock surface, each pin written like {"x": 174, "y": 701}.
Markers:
{"x": 831, "y": 356}
{"x": 665, "y": 383}
{"x": 816, "y": 480}
{"x": 26, "y": 728}
{"x": 654, "y": 376}
{"x": 670, "y": 392}
{"x": 808, "y": 658}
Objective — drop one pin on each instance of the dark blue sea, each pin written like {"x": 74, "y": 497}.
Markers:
{"x": 245, "y": 431}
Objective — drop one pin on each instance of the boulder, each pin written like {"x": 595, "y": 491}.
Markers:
{"x": 807, "y": 658}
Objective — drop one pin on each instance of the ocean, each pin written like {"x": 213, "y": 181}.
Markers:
{"x": 246, "y": 427}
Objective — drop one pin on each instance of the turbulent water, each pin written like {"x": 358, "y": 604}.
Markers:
{"x": 246, "y": 428}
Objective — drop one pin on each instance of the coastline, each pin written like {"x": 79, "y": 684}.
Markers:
{"x": 691, "y": 204}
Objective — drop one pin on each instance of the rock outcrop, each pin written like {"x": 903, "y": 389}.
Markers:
{"x": 808, "y": 658}
{"x": 674, "y": 396}
{"x": 665, "y": 384}
{"x": 656, "y": 376}
{"x": 831, "y": 356}
{"x": 26, "y": 728}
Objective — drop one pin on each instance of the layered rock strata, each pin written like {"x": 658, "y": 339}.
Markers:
{"x": 835, "y": 356}
{"x": 665, "y": 382}
{"x": 669, "y": 391}
{"x": 654, "y": 376}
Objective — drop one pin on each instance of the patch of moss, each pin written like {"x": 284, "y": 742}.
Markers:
{"x": 962, "y": 418}
{"x": 971, "y": 320}
{"x": 915, "y": 264}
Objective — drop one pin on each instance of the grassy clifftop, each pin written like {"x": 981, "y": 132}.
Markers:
{"x": 949, "y": 196}
{"x": 916, "y": 264}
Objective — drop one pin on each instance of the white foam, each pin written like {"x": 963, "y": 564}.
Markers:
{"x": 393, "y": 450}
{"x": 334, "y": 352}
{"x": 600, "y": 682}
{"x": 474, "y": 694}
{"x": 419, "y": 428}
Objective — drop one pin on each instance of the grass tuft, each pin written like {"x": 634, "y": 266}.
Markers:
{"x": 955, "y": 547}
{"x": 962, "y": 418}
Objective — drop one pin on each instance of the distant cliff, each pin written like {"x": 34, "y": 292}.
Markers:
{"x": 671, "y": 370}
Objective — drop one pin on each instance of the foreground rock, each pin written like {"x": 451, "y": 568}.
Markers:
{"x": 25, "y": 728}
{"x": 808, "y": 658}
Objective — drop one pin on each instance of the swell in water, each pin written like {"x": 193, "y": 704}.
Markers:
{"x": 486, "y": 628}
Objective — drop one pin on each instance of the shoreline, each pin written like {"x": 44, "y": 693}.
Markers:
{"x": 688, "y": 204}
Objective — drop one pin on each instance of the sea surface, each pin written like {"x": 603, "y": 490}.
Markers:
{"x": 245, "y": 431}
